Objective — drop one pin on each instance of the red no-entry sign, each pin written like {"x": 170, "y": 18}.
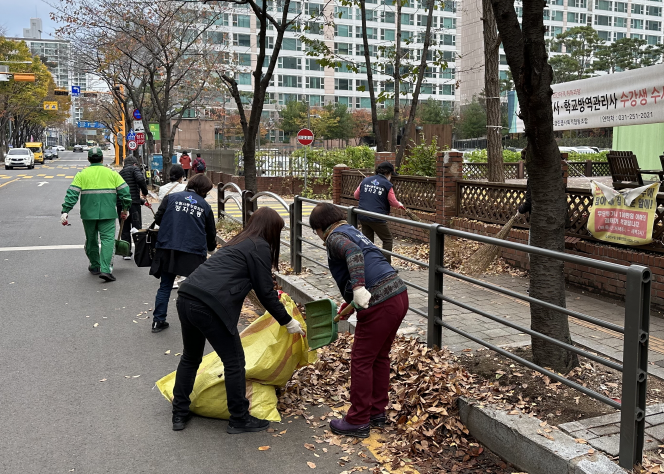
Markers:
{"x": 305, "y": 137}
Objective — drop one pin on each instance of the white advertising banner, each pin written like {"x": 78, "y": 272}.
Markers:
{"x": 633, "y": 97}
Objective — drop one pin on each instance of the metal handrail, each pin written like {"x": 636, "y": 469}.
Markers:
{"x": 272, "y": 195}
{"x": 232, "y": 185}
{"x": 239, "y": 204}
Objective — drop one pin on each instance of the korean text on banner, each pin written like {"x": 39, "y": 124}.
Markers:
{"x": 612, "y": 100}
{"x": 626, "y": 217}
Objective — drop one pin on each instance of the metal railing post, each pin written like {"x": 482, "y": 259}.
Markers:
{"x": 248, "y": 206}
{"x": 352, "y": 217}
{"x": 635, "y": 365}
{"x": 221, "y": 205}
{"x": 296, "y": 235}
{"x": 435, "y": 306}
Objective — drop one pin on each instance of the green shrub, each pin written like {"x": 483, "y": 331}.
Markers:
{"x": 322, "y": 161}
{"x": 421, "y": 160}
{"x": 480, "y": 156}
{"x": 601, "y": 156}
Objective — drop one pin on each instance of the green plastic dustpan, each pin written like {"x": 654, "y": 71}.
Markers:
{"x": 122, "y": 247}
{"x": 321, "y": 326}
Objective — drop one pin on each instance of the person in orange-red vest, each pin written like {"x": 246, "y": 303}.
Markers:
{"x": 185, "y": 161}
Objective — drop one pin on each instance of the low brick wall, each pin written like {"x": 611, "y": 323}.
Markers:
{"x": 280, "y": 185}
{"x": 591, "y": 279}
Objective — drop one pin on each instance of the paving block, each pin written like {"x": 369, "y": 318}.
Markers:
{"x": 601, "y": 420}
{"x": 656, "y": 432}
{"x": 654, "y": 420}
{"x": 655, "y": 409}
{"x": 597, "y": 465}
{"x": 605, "y": 430}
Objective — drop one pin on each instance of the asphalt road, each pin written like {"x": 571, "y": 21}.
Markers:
{"x": 57, "y": 416}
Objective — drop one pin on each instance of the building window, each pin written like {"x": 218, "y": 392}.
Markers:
{"x": 387, "y": 35}
{"x": 578, "y": 3}
{"x": 289, "y": 63}
{"x": 388, "y": 17}
{"x": 653, "y": 25}
{"x": 289, "y": 81}
{"x": 637, "y": 9}
{"x": 605, "y": 35}
{"x": 343, "y": 13}
{"x": 347, "y": 101}
{"x": 344, "y": 31}
{"x": 315, "y": 83}
{"x": 451, "y": 6}
{"x": 653, "y": 39}
{"x": 620, "y": 7}
{"x": 362, "y": 103}
{"x": 372, "y": 33}
{"x": 343, "y": 48}
{"x": 244, "y": 79}
{"x": 372, "y": 15}
{"x": 315, "y": 28}
{"x": 449, "y": 23}
{"x": 449, "y": 40}
{"x": 243, "y": 59}
{"x": 314, "y": 65}
{"x": 293, "y": 7}
{"x": 406, "y": 19}
{"x": 241, "y": 40}
{"x": 602, "y": 20}
{"x": 314, "y": 9}
{"x": 344, "y": 66}
{"x": 653, "y": 11}
{"x": 576, "y": 17}
{"x": 241, "y": 21}
{"x": 618, "y": 35}
{"x": 603, "y": 5}
{"x": 620, "y": 22}
{"x": 556, "y": 15}
{"x": 635, "y": 36}
{"x": 447, "y": 89}
{"x": 216, "y": 37}
{"x": 343, "y": 84}
{"x": 636, "y": 24}
{"x": 291, "y": 44}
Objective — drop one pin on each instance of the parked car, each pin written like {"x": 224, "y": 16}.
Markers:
{"x": 78, "y": 148}
{"x": 56, "y": 152}
{"x": 61, "y": 148}
{"x": 86, "y": 148}
{"x": 19, "y": 157}
{"x": 48, "y": 154}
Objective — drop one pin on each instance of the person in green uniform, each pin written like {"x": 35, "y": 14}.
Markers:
{"x": 100, "y": 189}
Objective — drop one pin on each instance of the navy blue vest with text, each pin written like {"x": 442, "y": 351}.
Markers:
{"x": 183, "y": 224}
{"x": 373, "y": 196}
{"x": 375, "y": 265}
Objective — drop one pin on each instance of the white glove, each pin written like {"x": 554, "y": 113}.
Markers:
{"x": 63, "y": 218}
{"x": 361, "y": 297}
{"x": 294, "y": 326}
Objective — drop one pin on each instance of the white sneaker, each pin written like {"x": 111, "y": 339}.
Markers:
{"x": 126, "y": 258}
{"x": 175, "y": 286}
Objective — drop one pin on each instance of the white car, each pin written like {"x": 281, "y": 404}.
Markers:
{"x": 19, "y": 157}
{"x": 60, "y": 148}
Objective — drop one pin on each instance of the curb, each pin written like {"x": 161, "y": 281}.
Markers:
{"x": 517, "y": 439}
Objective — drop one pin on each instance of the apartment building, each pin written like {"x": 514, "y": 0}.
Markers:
{"x": 57, "y": 56}
{"x": 300, "y": 77}
{"x": 613, "y": 20}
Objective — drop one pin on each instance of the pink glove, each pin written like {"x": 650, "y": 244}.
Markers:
{"x": 124, "y": 215}
{"x": 401, "y": 206}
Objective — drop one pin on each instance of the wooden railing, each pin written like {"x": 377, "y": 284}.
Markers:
{"x": 496, "y": 203}
{"x": 414, "y": 192}
{"x": 588, "y": 168}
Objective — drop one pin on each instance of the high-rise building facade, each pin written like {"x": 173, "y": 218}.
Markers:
{"x": 612, "y": 20}
{"x": 298, "y": 76}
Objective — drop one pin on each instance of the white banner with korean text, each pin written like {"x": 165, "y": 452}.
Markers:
{"x": 633, "y": 97}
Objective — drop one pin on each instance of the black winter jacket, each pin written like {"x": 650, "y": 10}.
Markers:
{"x": 226, "y": 278}
{"x": 136, "y": 182}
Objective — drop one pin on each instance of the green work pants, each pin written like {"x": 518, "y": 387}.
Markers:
{"x": 106, "y": 230}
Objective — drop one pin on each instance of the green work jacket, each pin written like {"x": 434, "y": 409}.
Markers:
{"x": 100, "y": 189}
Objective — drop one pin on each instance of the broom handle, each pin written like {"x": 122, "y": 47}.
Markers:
{"x": 122, "y": 221}
{"x": 347, "y": 310}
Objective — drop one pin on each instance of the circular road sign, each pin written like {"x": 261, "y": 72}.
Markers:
{"x": 305, "y": 137}
{"x": 137, "y": 114}
{"x": 132, "y": 145}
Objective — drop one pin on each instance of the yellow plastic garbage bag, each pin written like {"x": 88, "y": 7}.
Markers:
{"x": 271, "y": 354}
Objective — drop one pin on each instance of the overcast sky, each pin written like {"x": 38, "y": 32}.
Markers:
{"x": 16, "y": 16}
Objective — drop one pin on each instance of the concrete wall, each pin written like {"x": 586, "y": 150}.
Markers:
{"x": 217, "y": 160}
{"x": 187, "y": 137}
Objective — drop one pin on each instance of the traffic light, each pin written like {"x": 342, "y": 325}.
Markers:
{"x": 60, "y": 92}
{"x": 90, "y": 94}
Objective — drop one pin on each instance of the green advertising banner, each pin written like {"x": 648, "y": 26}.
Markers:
{"x": 154, "y": 130}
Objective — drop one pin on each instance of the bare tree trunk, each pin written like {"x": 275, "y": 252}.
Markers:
{"x": 527, "y": 57}
{"x": 492, "y": 95}
{"x": 372, "y": 92}
{"x": 397, "y": 82}
{"x": 418, "y": 86}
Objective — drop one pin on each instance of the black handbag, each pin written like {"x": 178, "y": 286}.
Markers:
{"x": 145, "y": 241}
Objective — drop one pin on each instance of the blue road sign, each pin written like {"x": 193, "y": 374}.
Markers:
{"x": 90, "y": 125}
{"x": 137, "y": 114}
{"x": 75, "y": 91}
{"x": 131, "y": 136}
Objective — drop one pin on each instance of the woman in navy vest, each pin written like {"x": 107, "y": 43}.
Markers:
{"x": 186, "y": 233}
{"x": 365, "y": 278}
{"x": 376, "y": 194}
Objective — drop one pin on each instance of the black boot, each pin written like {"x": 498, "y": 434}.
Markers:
{"x": 94, "y": 270}
{"x": 107, "y": 277}
{"x": 252, "y": 424}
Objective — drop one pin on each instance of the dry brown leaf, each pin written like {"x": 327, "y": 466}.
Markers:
{"x": 311, "y": 465}
{"x": 263, "y": 448}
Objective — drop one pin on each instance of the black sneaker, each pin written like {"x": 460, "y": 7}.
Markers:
{"x": 107, "y": 277}
{"x": 253, "y": 424}
{"x": 179, "y": 421}
{"x": 94, "y": 270}
{"x": 158, "y": 326}
{"x": 378, "y": 421}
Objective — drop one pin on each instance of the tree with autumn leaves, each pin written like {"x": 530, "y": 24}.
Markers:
{"x": 22, "y": 103}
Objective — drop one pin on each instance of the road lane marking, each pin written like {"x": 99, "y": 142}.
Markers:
{"x": 41, "y": 247}
{"x": 59, "y": 174}
{"x": 5, "y": 184}
{"x": 42, "y": 183}
{"x": 48, "y": 177}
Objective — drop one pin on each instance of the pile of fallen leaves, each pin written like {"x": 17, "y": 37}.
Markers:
{"x": 457, "y": 252}
{"x": 424, "y": 430}
{"x": 228, "y": 228}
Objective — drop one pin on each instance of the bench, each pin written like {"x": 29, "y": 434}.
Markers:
{"x": 625, "y": 170}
